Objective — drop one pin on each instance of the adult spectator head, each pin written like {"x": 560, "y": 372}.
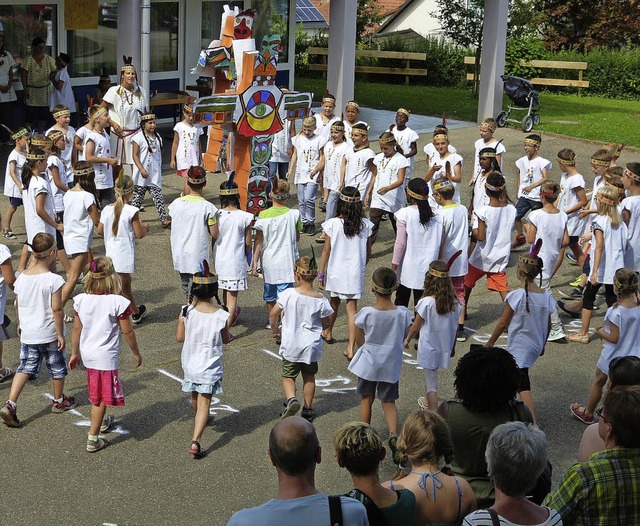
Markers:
{"x": 295, "y": 451}
{"x": 516, "y": 457}
{"x": 604, "y": 489}
{"x": 37, "y": 72}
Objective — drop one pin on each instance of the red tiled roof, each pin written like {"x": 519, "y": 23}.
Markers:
{"x": 387, "y": 7}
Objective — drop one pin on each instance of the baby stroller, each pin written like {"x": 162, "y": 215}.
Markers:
{"x": 524, "y": 98}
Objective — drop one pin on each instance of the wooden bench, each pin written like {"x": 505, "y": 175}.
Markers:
{"x": 580, "y": 67}
{"x": 407, "y": 71}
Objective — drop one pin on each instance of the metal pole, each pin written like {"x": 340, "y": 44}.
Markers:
{"x": 145, "y": 46}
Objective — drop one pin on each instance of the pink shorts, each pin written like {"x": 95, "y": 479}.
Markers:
{"x": 105, "y": 387}
{"x": 183, "y": 173}
{"x": 458, "y": 286}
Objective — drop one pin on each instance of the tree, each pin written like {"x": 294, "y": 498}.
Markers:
{"x": 368, "y": 15}
{"x": 584, "y": 24}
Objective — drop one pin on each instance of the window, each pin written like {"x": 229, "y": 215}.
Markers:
{"x": 164, "y": 36}
{"x": 211, "y": 18}
{"x": 274, "y": 22}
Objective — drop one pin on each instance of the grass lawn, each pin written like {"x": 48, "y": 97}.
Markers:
{"x": 594, "y": 118}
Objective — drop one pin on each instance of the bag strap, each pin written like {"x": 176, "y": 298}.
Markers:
{"x": 335, "y": 510}
{"x": 376, "y": 517}
{"x": 495, "y": 518}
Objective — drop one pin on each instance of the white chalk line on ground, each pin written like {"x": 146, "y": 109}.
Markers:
{"x": 85, "y": 422}
{"x": 215, "y": 402}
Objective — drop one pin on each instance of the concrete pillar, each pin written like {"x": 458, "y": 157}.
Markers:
{"x": 129, "y": 34}
{"x": 494, "y": 43}
{"x": 342, "y": 51}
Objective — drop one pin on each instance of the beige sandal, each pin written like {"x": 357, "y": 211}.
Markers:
{"x": 579, "y": 338}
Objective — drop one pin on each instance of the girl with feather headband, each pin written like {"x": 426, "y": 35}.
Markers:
{"x": 527, "y": 315}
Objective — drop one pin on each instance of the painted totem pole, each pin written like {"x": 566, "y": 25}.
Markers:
{"x": 246, "y": 108}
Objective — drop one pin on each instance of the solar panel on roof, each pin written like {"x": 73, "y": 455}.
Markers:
{"x": 307, "y": 12}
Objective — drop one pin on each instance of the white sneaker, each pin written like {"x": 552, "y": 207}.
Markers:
{"x": 556, "y": 335}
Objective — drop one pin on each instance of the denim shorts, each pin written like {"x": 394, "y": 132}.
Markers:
{"x": 31, "y": 356}
{"x": 387, "y": 392}
{"x": 212, "y": 389}
{"x": 186, "y": 280}
{"x": 525, "y": 204}
{"x": 15, "y": 201}
{"x": 271, "y": 291}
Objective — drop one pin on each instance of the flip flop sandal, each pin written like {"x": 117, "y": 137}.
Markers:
{"x": 330, "y": 341}
{"x": 580, "y": 413}
{"x": 579, "y": 338}
{"x": 422, "y": 402}
{"x": 196, "y": 450}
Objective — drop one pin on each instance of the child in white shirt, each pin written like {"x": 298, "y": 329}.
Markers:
{"x": 306, "y": 162}
{"x": 276, "y": 245}
{"x": 430, "y": 150}
{"x": 527, "y": 315}
{"x": 325, "y": 118}
{"x": 97, "y": 150}
{"x": 406, "y": 140}
{"x": 490, "y": 256}
{"x": 344, "y": 258}
{"x": 120, "y": 225}
{"x": 351, "y": 114}
{"x": 631, "y": 214}
{"x": 13, "y": 179}
{"x": 332, "y": 166}
{"x": 358, "y": 162}
{"x": 436, "y": 321}
{"x": 62, "y": 93}
{"x": 102, "y": 314}
{"x": 455, "y": 219}
{"x": 444, "y": 164}
{"x": 185, "y": 149}
{"x": 202, "y": 328}
{"x": 386, "y": 191}
{"x": 532, "y": 172}
{"x": 549, "y": 225}
{"x": 62, "y": 115}
{"x": 487, "y": 140}
{"x": 378, "y": 361}
{"x": 232, "y": 248}
{"x": 281, "y": 151}
{"x": 39, "y": 311}
{"x": 305, "y": 312}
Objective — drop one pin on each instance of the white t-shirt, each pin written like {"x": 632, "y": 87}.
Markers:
{"x": 405, "y": 138}
{"x": 78, "y": 225}
{"x": 455, "y": 219}
{"x": 229, "y": 248}
{"x": 528, "y": 330}
{"x": 550, "y": 228}
{"x": 333, "y": 155}
{"x": 10, "y": 187}
{"x": 7, "y": 63}
{"x": 35, "y": 293}
{"x": 188, "y": 152}
{"x": 308, "y": 156}
{"x": 280, "y": 246}
{"x": 121, "y": 248}
{"x": 388, "y": 168}
{"x": 202, "y": 347}
{"x": 615, "y": 243}
{"x": 482, "y": 518}
{"x": 437, "y": 334}
{"x": 33, "y": 222}
{"x": 323, "y": 130}
{"x": 312, "y": 510}
{"x": 358, "y": 173}
{"x": 380, "y": 357}
{"x": 480, "y": 197}
{"x": 348, "y": 258}
{"x": 190, "y": 237}
{"x": 67, "y": 154}
{"x": 302, "y": 325}
{"x": 58, "y": 194}
{"x": 453, "y": 159}
{"x": 423, "y": 246}
{"x": 568, "y": 199}
{"x": 100, "y": 337}
{"x": 83, "y": 133}
{"x": 5, "y": 255}
{"x": 64, "y": 95}
{"x": 531, "y": 173}
{"x": 481, "y": 145}
{"x": 628, "y": 322}
{"x": 492, "y": 254}
{"x": 632, "y": 255}
{"x": 598, "y": 183}
{"x": 281, "y": 145}
{"x": 102, "y": 148}
{"x": 150, "y": 158}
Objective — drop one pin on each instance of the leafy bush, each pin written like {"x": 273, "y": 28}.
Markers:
{"x": 523, "y": 49}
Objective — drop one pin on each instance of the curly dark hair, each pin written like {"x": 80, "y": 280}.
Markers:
{"x": 486, "y": 379}
{"x": 419, "y": 186}
{"x": 351, "y": 213}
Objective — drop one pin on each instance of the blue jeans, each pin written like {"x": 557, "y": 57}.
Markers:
{"x": 332, "y": 203}
{"x": 279, "y": 169}
{"x": 307, "y": 201}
